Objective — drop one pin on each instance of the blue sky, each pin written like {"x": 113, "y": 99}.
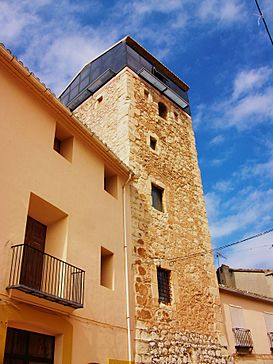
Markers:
{"x": 218, "y": 47}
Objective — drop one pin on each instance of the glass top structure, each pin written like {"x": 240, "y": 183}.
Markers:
{"x": 125, "y": 53}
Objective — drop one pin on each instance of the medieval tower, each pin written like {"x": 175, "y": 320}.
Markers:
{"x": 140, "y": 109}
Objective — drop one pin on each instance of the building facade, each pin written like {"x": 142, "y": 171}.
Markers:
{"x": 140, "y": 109}
{"x": 248, "y": 314}
{"x": 62, "y": 236}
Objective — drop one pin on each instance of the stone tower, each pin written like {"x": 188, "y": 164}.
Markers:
{"x": 140, "y": 109}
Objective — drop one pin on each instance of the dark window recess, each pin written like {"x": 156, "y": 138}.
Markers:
{"x": 153, "y": 143}
{"x": 157, "y": 197}
{"x": 159, "y": 75}
{"x": 110, "y": 182}
{"x": 63, "y": 143}
{"x": 57, "y": 145}
{"x": 28, "y": 347}
{"x": 164, "y": 289}
{"x": 162, "y": 110}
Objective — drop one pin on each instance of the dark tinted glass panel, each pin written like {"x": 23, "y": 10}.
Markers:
{"x": 133, "y": 53}
{"x": 19, "y": 343}
{"x": 74, "y": 92}
{"x": 95, "y": 70}
{"x": 84, "y": 83}
{"x": 65, "y": 99}
{"x": 41, "y": 346}
{"x": 132, "y": 62}
{"x": 146, "y": 64}
{"x": 85, "y": 72}
{"x": 75, "y": 82}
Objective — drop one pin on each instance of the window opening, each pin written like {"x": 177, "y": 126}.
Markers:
{"x": 63, "y": 143}
{"x": 57, "y": 145}
{"x": 157, "y": 197}
{"x": 162, "y": 110}
{"x": 110, "y": 182}
{"x": 164, "y": 288}
{"x": 106, "y": 268}
{"x": 28, "y": 347}
{"x": 242, "y": 335}
{"x": 175, "y": 115}
{"x": 153, "y": 143}
{"x": 99, "y": 99}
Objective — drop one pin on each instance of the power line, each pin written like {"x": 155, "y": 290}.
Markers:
{"x": 262, "y": 16}
{"x": 243, "y": 240}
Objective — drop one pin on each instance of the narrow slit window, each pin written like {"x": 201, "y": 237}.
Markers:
{"x": 106, "y": 268}
{"x": 110, "y": 182}
{"x": 99, "y": 99}
{"x": 153, "y": 143}
{"x": 63, "y": 143}
{"x": 164, "y": 287}
{"x": 157, "y": 197}
{"x": 162, "y": 110}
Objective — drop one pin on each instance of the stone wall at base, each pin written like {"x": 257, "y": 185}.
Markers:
{"x": 163, "y": 345}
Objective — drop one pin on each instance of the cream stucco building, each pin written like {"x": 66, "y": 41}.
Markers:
{"x": 63, "y": 194}
{"x": 247, "y": 302}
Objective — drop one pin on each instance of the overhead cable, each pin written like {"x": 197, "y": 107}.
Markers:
{"x": 262, "y": 16}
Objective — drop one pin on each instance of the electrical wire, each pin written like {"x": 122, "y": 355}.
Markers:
{"x": 262, "y": 16}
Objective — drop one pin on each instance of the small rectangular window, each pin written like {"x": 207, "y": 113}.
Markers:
{"x": 106, "y": 268}
{"x": 63, "y": 143}
{"x": 110, "y": 182}
{"x": 157, "y": 197}
{"x": 164, "y": 289}
{"x": 162, "y": 110}
{"x": 153, "y": 143}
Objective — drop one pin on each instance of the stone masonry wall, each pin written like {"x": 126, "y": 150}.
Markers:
{"x": 189, "y": 329}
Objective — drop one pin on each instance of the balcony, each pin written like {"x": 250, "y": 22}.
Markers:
{"x": 270, "y": 335}
{"x": 40, "y": 274}
{"x": 244, "y": 343}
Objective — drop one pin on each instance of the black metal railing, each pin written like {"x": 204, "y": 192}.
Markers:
{"x": 243, "y": 339}
{"x": 270, "y": 335}
{"x": 43, "y": 275}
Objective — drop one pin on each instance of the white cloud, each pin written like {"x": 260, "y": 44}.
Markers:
{"x": 212, "y": 204}
{"x": 248, "y": 80}
{"x": 262, "y": 170}
{"x": 14, "y": 20}
{"x": 243, "y": 211}
{"x": 222, "y": 11}
{"x": 223, "y": 186}
{"x": 218, "y": 139}
{"x": 248, "y": 104}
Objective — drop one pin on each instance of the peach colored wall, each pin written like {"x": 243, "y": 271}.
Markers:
{"x": 94, "y": 217}
{"x": 253, "y": 312}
